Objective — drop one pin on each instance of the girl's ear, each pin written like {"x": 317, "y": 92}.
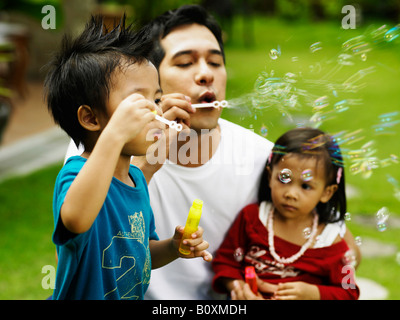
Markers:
{"x": 88, "y": 119}
{"x": 328, "y": 193}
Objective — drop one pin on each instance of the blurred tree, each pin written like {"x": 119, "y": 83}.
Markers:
{"x": 146, "y": 10}
{"x": 223, "y": 11}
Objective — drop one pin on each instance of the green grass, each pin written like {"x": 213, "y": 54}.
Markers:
{"x": 26, "y": 203}
{"x": 25, "y": 234}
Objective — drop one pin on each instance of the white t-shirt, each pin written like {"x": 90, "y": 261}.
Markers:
{"x": 226, "y": 184}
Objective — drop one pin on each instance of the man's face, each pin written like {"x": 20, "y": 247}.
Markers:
{"x": 193, "y": 65}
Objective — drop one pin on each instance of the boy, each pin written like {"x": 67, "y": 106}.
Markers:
{"x": 102, "y": 90}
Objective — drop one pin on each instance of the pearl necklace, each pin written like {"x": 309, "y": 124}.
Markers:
{"x": 303, "y": 249}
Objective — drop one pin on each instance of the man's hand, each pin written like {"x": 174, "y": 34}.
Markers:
{"x": 177, "y": 107}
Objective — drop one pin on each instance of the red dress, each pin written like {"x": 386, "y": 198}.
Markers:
{"x": 246, "y": 243}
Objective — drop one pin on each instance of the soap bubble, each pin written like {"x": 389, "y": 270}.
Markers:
{"x": 363, "y": 57}
{"x": 319, "y": 241}
{"x": 381, "y": 217}
{"x": 396, "y": 186}
{"x": 307, "y": 232}
{"x": 382, "y": 214}
{"x": 349, "y": 258}
{"x": 285, "y": 176}
{"x": 347, "y": 216}
{"x": 358, "y": 240}
{"x": 381, "y": 226}
{"x": 275, "y": 53}
{"x": 386, "y": 123}
{"x": 306, "y": 175}
{"x": 378, "y": 35}
{"x": 345, "y": 59}
{"x": 392, "y": 34}
{"x": 357, "y": 46}
{"x": 316, "y": 47}
{"x": 321, "y": 103}
{"x": 238, "y": 254}
{"x": 341, "y": 106}
{"x": 398, "y": 258}
{"x": 264, "y": 130}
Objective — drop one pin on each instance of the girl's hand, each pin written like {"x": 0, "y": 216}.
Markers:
{"x": 197, "y": 244}
{"x": 297, "y": 290}
{"x": 241, "y": 290}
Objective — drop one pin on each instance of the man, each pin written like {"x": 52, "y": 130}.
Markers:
{"x": 218, "y": 162}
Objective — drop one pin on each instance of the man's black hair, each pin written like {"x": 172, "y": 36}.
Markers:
{"x": 80, "y": 73}
{"x": 161, "y": 26}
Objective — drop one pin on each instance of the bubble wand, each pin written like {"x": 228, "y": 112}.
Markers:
{"x": 171, "y": 124}
{"x": 214, "y": 104}
{"x": 250, "y": 277}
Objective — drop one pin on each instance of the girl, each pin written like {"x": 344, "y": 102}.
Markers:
{"x": 293, "y": 236}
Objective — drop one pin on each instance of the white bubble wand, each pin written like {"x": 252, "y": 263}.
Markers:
{"x": 214, "y": 104}
{"x": 172, "y": 124}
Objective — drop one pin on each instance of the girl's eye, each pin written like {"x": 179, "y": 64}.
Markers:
{"x": 306, "y": 186}
{"x": 157, "y": 101}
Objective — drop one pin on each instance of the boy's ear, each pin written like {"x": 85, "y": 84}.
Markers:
{"x": 328, "y": 193}
{"x": 88, "y": 119}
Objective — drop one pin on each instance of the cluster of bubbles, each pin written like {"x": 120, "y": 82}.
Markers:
{"x": 327, "y": 99}
{"x": 295, "y": 91}
{"x": 286, "y": 175}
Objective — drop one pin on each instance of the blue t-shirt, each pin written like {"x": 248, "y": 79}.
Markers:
{"x": 112, "y": 259}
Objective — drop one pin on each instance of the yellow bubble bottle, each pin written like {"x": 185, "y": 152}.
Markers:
{"x": 192, "y": 223}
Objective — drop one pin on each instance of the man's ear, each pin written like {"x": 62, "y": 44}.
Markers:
{"x": 328, "y": 193}
{"x": 88, "y": 119}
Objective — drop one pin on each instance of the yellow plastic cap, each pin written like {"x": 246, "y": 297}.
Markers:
{"x": 197, "y": 203}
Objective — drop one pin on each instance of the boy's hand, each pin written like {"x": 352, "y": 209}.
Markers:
{"x": 131, "y": 116}
{"x": 197, "y": 245}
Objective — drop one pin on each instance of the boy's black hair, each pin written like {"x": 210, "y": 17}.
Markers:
{"x": 161, "y": 26}
{"x": 309, "y": 142}
{"x": 80, "y": 73}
